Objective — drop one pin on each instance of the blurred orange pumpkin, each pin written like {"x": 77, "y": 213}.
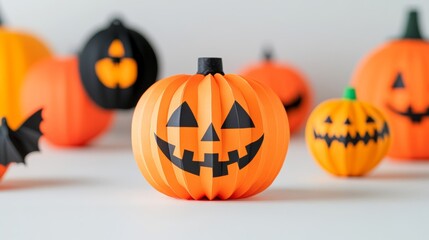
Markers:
{"x": 18, "y": 51}
{"x": 395, "y": 78}
{"x": 288, "y": 83}
{"x": 70, "y": 118}
{"x": 3, "y": 170}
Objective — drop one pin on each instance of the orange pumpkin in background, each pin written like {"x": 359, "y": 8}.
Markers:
{"x": 209, "y": 135}
{"x": 70, "y": 118}
{"x": 395, "y": 78}
{"x": 3, "y": 170}
{"x": 288, "y": 83}
{"x": 18, "y": 52}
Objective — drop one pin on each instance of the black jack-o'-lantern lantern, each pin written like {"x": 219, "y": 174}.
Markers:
{"x": 116, "y": 66}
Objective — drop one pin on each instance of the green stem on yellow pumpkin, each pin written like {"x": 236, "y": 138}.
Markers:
{"x": 349, "y": 93}
{"x": 412, "y": 30}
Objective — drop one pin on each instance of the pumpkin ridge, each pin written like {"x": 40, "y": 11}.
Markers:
{"x": 157, "y": 179}
{"x": 266, "y": 169}
{"x": 187, "y": 87}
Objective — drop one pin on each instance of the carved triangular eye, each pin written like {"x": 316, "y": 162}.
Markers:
{"x": 347, "y": 122}
{"x": 182, "y": 117}
{"x": 369, "y": 119}
{"x": 328, "y": 120}
{"x": 238, "y": 118}
{"x": 399, "y": 81}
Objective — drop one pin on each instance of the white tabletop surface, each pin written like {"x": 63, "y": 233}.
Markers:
{"x": 98, "y": 193}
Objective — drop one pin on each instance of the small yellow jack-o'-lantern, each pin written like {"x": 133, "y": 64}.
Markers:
{"x": 347, "y": 137}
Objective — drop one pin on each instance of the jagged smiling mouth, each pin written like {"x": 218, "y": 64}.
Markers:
{"x": 415, "y": 117}
{"x": 211, "y": 160}
{"x": 348, "y": 139}
{"x": 295, "y": 103}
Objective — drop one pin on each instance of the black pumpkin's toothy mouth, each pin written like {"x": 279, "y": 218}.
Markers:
{"x": 348, "y": 139}
{"x": 211, "y": 160}
{"x": 415, "y": 117}
{"x": 294, "y": 104}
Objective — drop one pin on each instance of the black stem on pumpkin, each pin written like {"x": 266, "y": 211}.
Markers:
{"x": 268, "y": 54}
{"x": 116, "y": 22}
{"x": 209, "y": 65}
{"x": 412, "y": 30}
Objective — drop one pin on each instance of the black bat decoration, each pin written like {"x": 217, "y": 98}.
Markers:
{"x": 15, "y": 145}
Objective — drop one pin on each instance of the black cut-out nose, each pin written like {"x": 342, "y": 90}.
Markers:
{"x": 210, "y": 134}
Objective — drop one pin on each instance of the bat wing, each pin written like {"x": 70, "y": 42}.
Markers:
{"x": 16, "y": 145}
{"x": 32, "y": 123}
{"x": 8, "y": 153}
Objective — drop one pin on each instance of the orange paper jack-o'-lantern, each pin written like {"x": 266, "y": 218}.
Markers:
{"x": 209, "y": 135}
{"x": 396, "y": 78}
{"x": 18, "y": 52}
{"x": 70, "y": 117}
{"x": 288, "y": 83}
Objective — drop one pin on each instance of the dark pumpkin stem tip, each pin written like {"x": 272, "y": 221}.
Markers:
{"x": 209, "y": 65}
{"x": 412, "y": 29}
{"x": 349, "y": 93}
{"x": 268, "y": 54}
{"x": 116, "y": 22}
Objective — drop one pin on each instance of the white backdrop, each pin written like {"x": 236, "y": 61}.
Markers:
{"x": 99, "y": 193}
{"x": 325, "y": 39}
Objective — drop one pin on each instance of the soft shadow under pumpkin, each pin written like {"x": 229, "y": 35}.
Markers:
{"x": 315, "y": 195}
{"x": 24, "y": 184}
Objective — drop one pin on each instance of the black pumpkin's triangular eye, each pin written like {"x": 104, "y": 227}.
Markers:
{"x": 328, "y": 120}
{"x": 238, "y": 118}
{"x": 399, "y": 81}
{"x": 369, "y": 119}
{"x": 182, "y": 117}
{"x": 347, "y": 122}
